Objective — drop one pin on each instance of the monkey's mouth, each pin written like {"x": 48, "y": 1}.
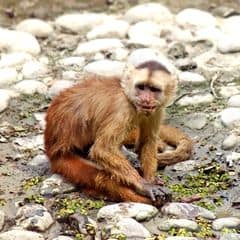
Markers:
{"x": 146, "y": 108}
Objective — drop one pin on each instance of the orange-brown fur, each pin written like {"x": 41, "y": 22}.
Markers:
{"x": 86, "y": 126}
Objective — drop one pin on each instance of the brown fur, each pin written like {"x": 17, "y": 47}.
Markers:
{"x": 88, "y": 123}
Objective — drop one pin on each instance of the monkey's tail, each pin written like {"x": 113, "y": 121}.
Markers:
{"x": 174, "y": 137}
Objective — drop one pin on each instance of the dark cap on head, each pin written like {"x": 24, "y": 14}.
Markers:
{"x": 153, "y": 66}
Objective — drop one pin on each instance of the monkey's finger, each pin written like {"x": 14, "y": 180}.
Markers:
{"x": 152, "y": 195}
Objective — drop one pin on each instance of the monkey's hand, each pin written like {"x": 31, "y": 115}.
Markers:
{"x": 158, "y": 194}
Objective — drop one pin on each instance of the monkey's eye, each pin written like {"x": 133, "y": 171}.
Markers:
{"x": 140, "y": 86}
{"x": 155, "y": 89}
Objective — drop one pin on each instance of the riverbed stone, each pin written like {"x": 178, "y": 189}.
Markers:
{"x": 8, "y": 76}
{"x": 230, "y": 236}
{"x": 196, "y": 99}
{"x": 63, "y": 238}
{"x": 229, "y": 44}
{"x": 155, "y": 12}
{"x": 234, "y": 101}
{"x": 29, "y": 143}
{"x": 191, "y": 78}
{"x": 14, "y": 59}
{"x": 181, "y": 238}
{"x": 20, "y": 234}
{"x": 34, "y": 217}
{"x": 79, "y": 22}
{"x": 229, "y": 26}
{"x": 97, "y": 45}
{"x": 147, "y": 41}
{"x": 131, "y": 229}
{"x": 5, "y": 96}
{"x": 39, "y": 163}
{"x": 2, "y": 219}
{"x": 58, "y": 86}
{"x": 191, "y": 17}
{"x": 105, "y": 68}
{"x": 187, "y": 210}
{"x": 138, "y": 211}
{"x": 230, "y": 116}
{"x": 17, "y": 41}
{"x": 230, "y": 141}
{"x": 54, "y": 185}
{"x": 196, "y": 120}
{"x": 111, "y": 29}
{"x": 167, "y": 224}
{"x": 229, "y": 91}
{"x": 36, "y": 27}
{"x": 34, "y": 69}
{"x": 73, "y": 61}
{"x": 30, "y": 87}
{"x": 228, "y": 222}
{"x": 144, "y": 28}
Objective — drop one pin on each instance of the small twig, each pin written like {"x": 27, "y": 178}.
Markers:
{"x": 214, "y": 79}
{"x": 190, "y": 94}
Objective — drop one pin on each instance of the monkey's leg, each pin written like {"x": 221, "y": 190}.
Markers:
{"x": 174, "y": 137}
{"x": 83, "y": 172}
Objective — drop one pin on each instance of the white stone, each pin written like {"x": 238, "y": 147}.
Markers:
{"x": 187, "y": 210}
{"x": 36, "y": 27}
{"x": 228, "y": 222}
{"x": 70, "y": 75}
{"x": 149, "y": 11}
{"x": 196, "y": 120}
{"x": 144, "y": 28}
{"x": 111, "y": 29}
{"x": 59, "y": 86}
{"x": 230, "y": 116}
{"x": 229, "y": 44}
{"x": 167, "y": 224}
{"x": 30, "y": 87}
{"x": 5, "y": 96}
{"x": 131, "y": 229}
{"x": 73, "y": 61}
{"x": 20, "y": 234}
{"x": 2, "y": 219}
{"x": 62, "y": 238}
{"x": 105, "y": 68}
{"x": 191, "y": 17}
{"x": 148, "y": 41}
{"x": 120, "y": 54}
{"x": 230, "y": 141}
{"x": 40, "y": 117}
{"x": 38, "y": 161}
{"x": 16, "y": 41}
{"x": 54, "y": 185}
{"x": 78, "y": 22}
{"x": 234, "y": 101}
{"x": 14, "y": 59}
{"x": 232, "y": 157}
{"x": 34, "y": 69}
{"x": 229, "y": 91}
{"x": 34, "y": 217}
{"x": 230, "y": 236}
{"x": 138, "y": 211}
{"x": 190, "y": 77}
{"x": 29, "y": 143}
{"x": 196, "y": 99}
{"x": 181, "y": 238}
{"x": 141, "y": 55}
{"x": 98, "y": 45}
{"x": 211, "y": 33}
{"x": 230, "y": 25}
{"x": 8, "y": 76}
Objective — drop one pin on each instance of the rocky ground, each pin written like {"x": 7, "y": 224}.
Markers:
{"x": 40, "y": 58}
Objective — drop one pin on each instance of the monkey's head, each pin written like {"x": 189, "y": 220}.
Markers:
{"x": 149, "y": 86}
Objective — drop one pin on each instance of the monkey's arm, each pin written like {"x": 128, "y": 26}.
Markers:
{"x": 174, "y": 137}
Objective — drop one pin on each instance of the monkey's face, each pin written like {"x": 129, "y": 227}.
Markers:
{"x": 149, "y": 89}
